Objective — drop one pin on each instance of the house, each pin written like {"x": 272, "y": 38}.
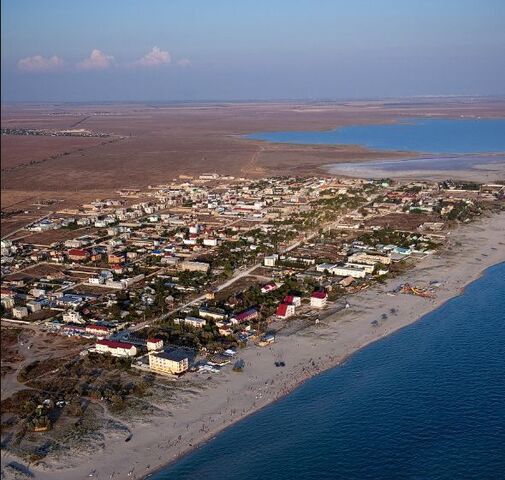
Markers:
{"x": 361, "y": 266}
{"x": 173, "y": 363}
{"x": 114, "y": 258}
{"x": 369, "y": 258}
{"x": 318, "y": 299}
{"x": 285, "y": 310}
{"x": 117, "y": 268}
{"x": 326, "y": 267}
{"x": 225, "y": 330}
{"x": 212, "y": 313}
{"x": 355, "y": 271}
{"x": 33, "y": 306}
{"x": 210, "y": 242}
{"x": 154, "y": 344}
{"x": 116, "y": 349}
{"x": 97, "y": 330}
{"x": 345, "y": 282}
{"x": 19, "y": 312}
{"x": 245, "y": 316}
{"x": 78, "y": 254}
{"x": 7, "y": 302}
{"x": 193, "y": 321}
{"x": 194, "y": 266}
{"x": 71, "y": 316}
{"x": 269, "y": 287}
{"x": 269, "y": 260}
{"x": 293, "y": 300}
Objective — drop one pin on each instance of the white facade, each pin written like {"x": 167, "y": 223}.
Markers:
{"x": 317, "y": 302}
{"x": 349, "y": 271}
{"x": 154, "y": 344}
{"x": 270, "y": 260}
{"x": 193, "y": 321}
{"x": 116, "y": 349}
{"x": 19, "y": 312}
{"x": 369, "y": 258}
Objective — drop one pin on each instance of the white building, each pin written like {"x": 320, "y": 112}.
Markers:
{"x": 173, "y": 363}
{"x": 210, "y": 242}
{"x": 116, "y": 349}
{"x": 318, "y": 299}
{"x": 192, "y": 321}
{"x": 154, "y": 344}
{"x": 269, "y": 261}
{"x": 19, "y": 312}
{"x": 349, "y": 271}
{"x": 71, "y": 316}
{"x": 369, "y": 258}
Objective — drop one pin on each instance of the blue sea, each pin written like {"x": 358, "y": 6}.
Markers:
{"x": 415, "y": 135}
{"x": 426, "y": 403}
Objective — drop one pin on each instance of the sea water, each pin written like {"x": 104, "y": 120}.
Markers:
{"x": 425, "y": 403}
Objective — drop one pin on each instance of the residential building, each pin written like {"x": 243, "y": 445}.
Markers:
{"x": 318, "y": 299}
{"x": 285, "y": 310}
{"x": 71, "y": 316}
{"x": 269, "y": 260}
{"x": 173, "y": 363}
{"x": 116, "y": 349}
{"x": 19, "y": 312}
{"x": 192, "y": 321}
{"x": 154, "y": 344}
{"x": 78, "y": 254}
{"x": 293, "y": 300}
{"x": 349, "y": 271}
{"x": 98, "y": 330}
{"x": 194, "y": 266}
{"x": 245, "y": 316}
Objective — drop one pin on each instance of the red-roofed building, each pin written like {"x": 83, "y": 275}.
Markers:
{"x": 245, "y": 316}
{"x": 285, "y": 310}
{"x": 98, "y": 330}
{"x": 293, "y": 300}
{"x": 154, "y": 344}
{"x": 269, "y": 287}
{"x": 116, "y": 349}
{"x": 117, "y": 268}
{"x": 318, "y": 299}
{"x": 78, "y": 254}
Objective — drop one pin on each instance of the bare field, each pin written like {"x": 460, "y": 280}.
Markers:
{"x": 61, "y": 235}
{"x": 21, "y": 150}
{"x": 165, "y": 140}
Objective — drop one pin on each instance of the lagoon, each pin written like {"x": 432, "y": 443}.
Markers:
{"x": 427, "y": 135}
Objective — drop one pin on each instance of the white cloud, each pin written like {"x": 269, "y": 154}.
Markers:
{"x": 97, "y": 60}
{"x": 184, "y": 62}
{"x": 38, "y": 63}
{"x": 154, "y": 58}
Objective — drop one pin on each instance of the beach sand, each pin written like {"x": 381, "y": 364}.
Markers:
{"x": 197, "y": 416}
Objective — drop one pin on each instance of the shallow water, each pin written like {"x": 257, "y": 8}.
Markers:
{"x": 427, "y": 402}
{"x": 425, "y": 164}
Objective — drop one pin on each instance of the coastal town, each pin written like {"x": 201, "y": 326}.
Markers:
{"x": 171, "y": 284}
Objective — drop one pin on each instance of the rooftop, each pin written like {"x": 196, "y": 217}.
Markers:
{"x": 175, "y": 355}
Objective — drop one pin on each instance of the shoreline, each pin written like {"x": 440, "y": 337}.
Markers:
{"x": 231, "y": 397}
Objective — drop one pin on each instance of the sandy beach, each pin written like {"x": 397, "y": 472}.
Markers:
{"x": 195, "y": 416}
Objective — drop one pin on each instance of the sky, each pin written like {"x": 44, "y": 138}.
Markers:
{"x": 193, "y": 50}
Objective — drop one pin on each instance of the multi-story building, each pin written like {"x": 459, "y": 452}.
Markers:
{"x": 318, "y": 299}
{"x": 116, "y": 349}
{"x": 173, "y": 363}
